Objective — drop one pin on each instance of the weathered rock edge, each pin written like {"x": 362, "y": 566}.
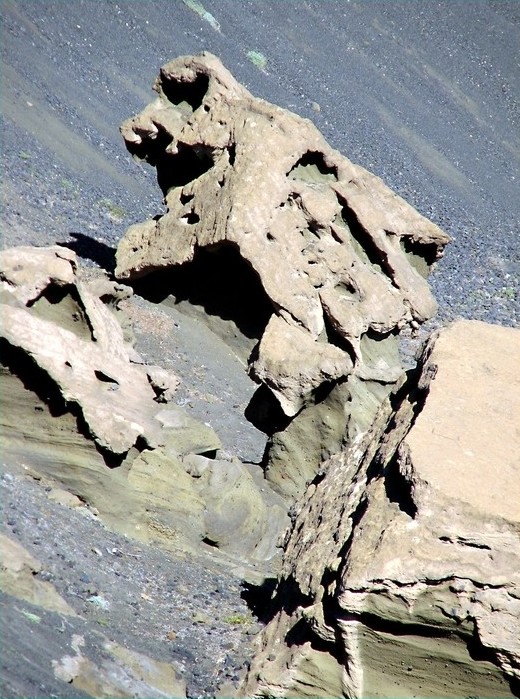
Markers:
{"x": 81, "y": 409}
{"x": 401, "y": 570}
{"x": 340, "y": 258}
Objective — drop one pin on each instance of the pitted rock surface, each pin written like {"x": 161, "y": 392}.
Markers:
{"x": 341, "y": 260}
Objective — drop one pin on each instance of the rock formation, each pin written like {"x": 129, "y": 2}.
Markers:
{"x": 81, "y": 409}
{"x": 400, "y": 574}
{"x": 336, "y": 262}
{"x": 401, "y": 568}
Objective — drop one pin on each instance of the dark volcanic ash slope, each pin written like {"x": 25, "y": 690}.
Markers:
{"x": 424, "y": 95}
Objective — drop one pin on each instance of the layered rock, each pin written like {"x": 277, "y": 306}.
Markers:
{"x": 81, "y": 409}
{"x": 401, "y": 567}
{"x": 338, "y": 260}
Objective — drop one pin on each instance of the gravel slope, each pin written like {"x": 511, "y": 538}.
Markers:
{"x": 424, "y": 94}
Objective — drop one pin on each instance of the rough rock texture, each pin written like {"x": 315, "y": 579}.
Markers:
{"x": 401, "y": 568}
{"x": 79, "y": 410}
{"x": 338, "y": 260}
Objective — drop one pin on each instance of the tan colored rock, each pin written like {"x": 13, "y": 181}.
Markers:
{"x": 340, "y": 258}
{"x": 84, "y": 353}
{"x": 27, "y": 271}
{"x": 404, "y": 561}
{"x": 293, "y": 365}
{"x": 18, "y": 577}
{"x": 100, "y": 428}
{"x": 474, "y": 428}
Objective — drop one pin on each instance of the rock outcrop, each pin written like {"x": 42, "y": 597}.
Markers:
{"x": 401, "y": 568}
{"x": 329, "y": 262}
{"x": 82, "y": 410}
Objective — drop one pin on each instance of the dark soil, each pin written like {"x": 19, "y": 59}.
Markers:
{"x": 176, "y": 609}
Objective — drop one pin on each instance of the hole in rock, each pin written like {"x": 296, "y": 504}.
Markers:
{"x": 316, "y": 229}
{"x": 62, "y": 305}
{"x": 398, "y": 489}
{"x": 105, "y": 378}
{"x": 232, "y": 151}
{"x": 183, "y": 92}
{"x": 464, "y": 542}
{"x": 259, "y": 598}
{"x": 210, "y": 542}
{"x": 185, "y": 198}
{"x": 362, "y": 242}
{"x": 191, "y": 217}
{"x": 420, "y": 255}
{"x": 219, "y": 280}
{"x": 347, "y": 289}
{"x": 185, "y": 166}
{"x": 265, "y": 413}
{"x": 312, "y": 168}
{"x": 152, "y": 148}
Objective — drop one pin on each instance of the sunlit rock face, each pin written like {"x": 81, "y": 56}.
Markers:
{"x": 401, "y": 568}
{"x": 312, "y": 258}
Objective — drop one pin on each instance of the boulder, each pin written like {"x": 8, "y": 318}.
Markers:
{"x": 401, "y": 567}
{"x": 336, "y": 261}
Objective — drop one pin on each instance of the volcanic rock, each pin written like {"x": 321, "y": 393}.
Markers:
{"x": 79, "y": 412}
{"x": 337, "y": 262}
{"x": 401, "y": 567}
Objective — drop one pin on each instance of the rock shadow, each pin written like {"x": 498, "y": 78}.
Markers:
{"x": 90, "y": 249}
{"x": 218, "y": 280}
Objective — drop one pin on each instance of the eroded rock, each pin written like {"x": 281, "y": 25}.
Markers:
{"x": 80, "y": 412}
{"x": 402, "y": 564}
{"x": 340, "y": 260}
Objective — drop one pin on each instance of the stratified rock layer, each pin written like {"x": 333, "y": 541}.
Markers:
{"x": 340, "y": 260}
{"x": 78, "y": 411}
{"x": 401, "y": 574}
